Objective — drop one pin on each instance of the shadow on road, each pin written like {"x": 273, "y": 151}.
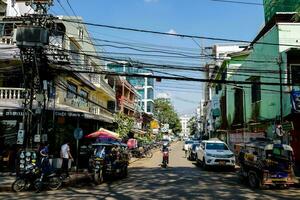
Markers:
{"x": 159, "y": 183}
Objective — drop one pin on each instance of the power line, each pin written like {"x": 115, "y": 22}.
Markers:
{"x": 239, "y": 2}
{"x": 178, "y": 35}
{"x": 171, "y": 77}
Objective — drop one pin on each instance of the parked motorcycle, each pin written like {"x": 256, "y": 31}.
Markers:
{"x": 26, "y": 179}
{"x": 49, "y": 177}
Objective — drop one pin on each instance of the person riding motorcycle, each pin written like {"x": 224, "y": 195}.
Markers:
{"x": 165, "y": 151}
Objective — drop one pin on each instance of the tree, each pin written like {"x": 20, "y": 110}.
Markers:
{"x": 165, "y": 113}
{"x": 124, "y": 123}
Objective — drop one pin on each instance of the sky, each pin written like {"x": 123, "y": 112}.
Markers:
{"x": 192, "y": 17}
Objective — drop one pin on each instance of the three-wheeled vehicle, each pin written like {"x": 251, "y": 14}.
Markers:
{"x": 109, "y": 159}
{"x": 263, "y": 163}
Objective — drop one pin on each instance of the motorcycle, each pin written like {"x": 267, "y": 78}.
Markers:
{"x": 165, "y": 159}
{"x": 49, "y": 178}
{"x": 26, "y": 179}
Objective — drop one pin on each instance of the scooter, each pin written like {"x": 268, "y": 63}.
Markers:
{"x": 165, "y": 161}
{"x": 26, "y": 179}
{"x": 49, "y": 178}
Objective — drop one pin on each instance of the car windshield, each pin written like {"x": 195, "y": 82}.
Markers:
{"x": 216, "y": 146}
{"x": 188, "y": 142}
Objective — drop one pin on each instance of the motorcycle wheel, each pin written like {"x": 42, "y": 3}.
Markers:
{"x": 54, "y": 183}
{"x": 98, "y": 177}
{"x": 37, "y": 185}
{"x": 18, "y": 185}
{"x": 149, "y": 154}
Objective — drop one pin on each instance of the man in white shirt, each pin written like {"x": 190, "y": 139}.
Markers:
{"x": 65, "y": 154}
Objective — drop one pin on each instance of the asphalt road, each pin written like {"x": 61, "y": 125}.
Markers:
{"x": 181, "y": 180}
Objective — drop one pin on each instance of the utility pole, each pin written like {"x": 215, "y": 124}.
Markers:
{"x": 32, "y": 36}
{"x": 279, "y": 62}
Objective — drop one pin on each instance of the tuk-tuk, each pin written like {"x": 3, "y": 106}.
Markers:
{"x": 263, "y": 164}
{"x": 109, "y": 159}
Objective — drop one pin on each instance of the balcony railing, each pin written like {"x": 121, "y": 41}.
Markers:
{"x": 12, "y": 93}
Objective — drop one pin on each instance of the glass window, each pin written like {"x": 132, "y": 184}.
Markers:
{"x": 142, "y": 93}
{"x": 83, "y": 97}
{"x": 136, "y": 81}
{"x": 150, "y": 82}
{"x": 150, "y": 107}
{"x": 216, "y": 146}
{"x": 150, "y": 93}
{"x": 71, "y": 91}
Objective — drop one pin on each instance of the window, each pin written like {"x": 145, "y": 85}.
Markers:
{"x": 142, "y": 93}
{"x": 216, "y": 146}
{"x": 83, "y": 97}
{"x": 150, "y": 107}
{"x": 150, "y": 82}
{"x": 71, "y": 91}
{"x": 255, "y": 90}
{"x": 150, "y": 93}
{"x": 238, "y": 104}
{"x": 80, "y": 33}
{"x": 295, "y": 74}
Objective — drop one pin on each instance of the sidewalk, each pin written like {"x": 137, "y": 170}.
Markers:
{"x": 6, "y": 180}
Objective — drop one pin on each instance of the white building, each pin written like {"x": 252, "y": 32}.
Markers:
{"x": 185, "y": 132}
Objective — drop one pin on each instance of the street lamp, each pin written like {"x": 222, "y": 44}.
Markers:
{"x": 244, "y": 108}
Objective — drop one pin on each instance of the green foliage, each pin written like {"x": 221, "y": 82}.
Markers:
{"x": 165, "y": 113}
{"x": 192, "y": 125}
{"x": 125, "y": 124}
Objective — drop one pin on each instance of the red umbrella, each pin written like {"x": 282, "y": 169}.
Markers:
{"x": 103, "y": 133}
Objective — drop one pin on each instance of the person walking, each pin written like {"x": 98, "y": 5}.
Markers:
{"x": 65, "y": 154}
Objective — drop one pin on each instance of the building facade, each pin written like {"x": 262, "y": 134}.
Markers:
{"x": 72, "y": 99}
{"x": 143, "y": 85}
{"x": 184, "y": 126}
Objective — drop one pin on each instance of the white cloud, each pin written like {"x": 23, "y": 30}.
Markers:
{"x": 163, "y": 95}
{"x": 172, "y": 31}
{"x": 150, "y": 1}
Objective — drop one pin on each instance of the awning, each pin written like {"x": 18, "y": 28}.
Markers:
{"x": 103, "y": 133}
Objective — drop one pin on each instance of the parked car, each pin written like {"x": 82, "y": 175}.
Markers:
{"x": 215, "y": 153}
{"x": 192, "y": 152}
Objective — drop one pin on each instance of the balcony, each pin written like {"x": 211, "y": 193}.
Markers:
{"x": 127, "y": 103}
{"x": 11, "y": 98}
{"x": 11, "y": 93}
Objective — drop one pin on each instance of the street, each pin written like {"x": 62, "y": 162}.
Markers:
{"x": 181, "y": 180}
